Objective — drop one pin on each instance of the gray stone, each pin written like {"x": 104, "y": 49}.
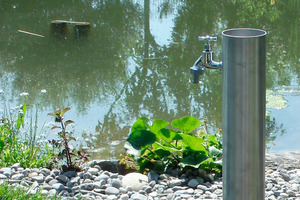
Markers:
{"x": 33, "y": 188}
{"x": 124, "y": 197}
{"x": 75, "y": 180}
{"x": 52, "y": 182}
{"x": 112, "y": 191}
{"x": 276, "y": 193}
{"x": 171, "y": 196}
{"x": 291, "y": 193}
{"x": 269, "y": 186}
{"x": 54, "y": 173}
{"x": 16, "y": 166}
{"x": 152, "y": 183}
{"x": 45, "y": 171}
{"x": 193, "y": 183}
{"x": 179, "y": 192}
{"x": 112, "y": 197}
{"x": 87, "y": 175}
{"x": 39, "y": 178}
{"x": 137, "y": 196}
{"x": 17, "y": 176}
{"x": 163, "y": 177}
{"x": 122, "y": 190}
{"x": 102, "y": 177}
{"x": 70, "y": 184}
{"x": 147, "y": 189}
{"x": 190, "y": 191}
{"x": 202, "y": 187}
{"x": 46, "y": 186}
{"x": 153, "y": 177}
{"x": 135, "y": 180}
{"x": 107, "y": 165}
{"x": 62, "y": 178}
{"x": 70, "y": 174}
{"x": 6, "y": 171}
{"x": 284, "y": 195}
{"x": 58, "y": 186}
{"x": 116, "y": 183}
{"x": 87, "y": 186}
{"x": 48, "y": 179}
{"x": 99, "y": 184}
{"x": 113, "y": 175}
{"x": 175, "y": 188}
{"x": 2, "y": 176}
{"x": 200, "y": 180}
{"x": 175, "y": 182}
{"x": 32, "y": 174}
{"x": 45, "y": 192}
{"x": 93, "y": 171}
{"x": 87, "y": 181}
{"x": 52, "y": 192}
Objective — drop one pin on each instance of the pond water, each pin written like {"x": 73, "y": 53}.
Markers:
{"x": 134, "y": 61}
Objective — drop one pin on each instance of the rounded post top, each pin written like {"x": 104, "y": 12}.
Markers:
{"x": 244, "y": 33}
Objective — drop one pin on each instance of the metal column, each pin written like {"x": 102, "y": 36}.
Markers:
{"x": 244, "y": 58}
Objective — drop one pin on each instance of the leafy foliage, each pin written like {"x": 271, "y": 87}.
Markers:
{"x": 163, "y": 149}
{"x": 16, "y": 192}
{"x": 64, "y": 150}
{"x": 14, "y": 150}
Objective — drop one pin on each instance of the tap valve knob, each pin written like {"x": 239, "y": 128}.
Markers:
{"x": 207, "y": 38}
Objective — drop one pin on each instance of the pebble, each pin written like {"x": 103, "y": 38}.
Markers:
{"x": 94, "y": 183}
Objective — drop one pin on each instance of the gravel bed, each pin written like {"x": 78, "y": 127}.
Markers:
{"x": 101, "y": 180}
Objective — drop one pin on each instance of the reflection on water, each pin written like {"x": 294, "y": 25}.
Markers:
{"x": 134, "y": 60}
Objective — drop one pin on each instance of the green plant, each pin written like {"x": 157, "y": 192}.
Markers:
{"x": 163, "y": 149}
{"x": 65, "y": 137}
{"x": 17, "y": 192}
{"x": 14, "y": 149}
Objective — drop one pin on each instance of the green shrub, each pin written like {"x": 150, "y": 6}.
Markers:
{"x": 14, "y": 149}
{"x": 161, "y": 149}
{"x": 16, "y": 192}
{"x": 61, "y": 149}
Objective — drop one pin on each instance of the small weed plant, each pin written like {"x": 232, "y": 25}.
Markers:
{"x": 162, "y": 149}
{"x": 15, "y": 149}
{"x": 17, "y": 192}
{"x": 73, "y": 158}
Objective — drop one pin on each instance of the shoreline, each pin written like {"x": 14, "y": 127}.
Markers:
{"x": 97, "y": 182}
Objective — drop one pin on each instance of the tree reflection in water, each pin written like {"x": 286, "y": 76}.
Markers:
{"x": 121, "y": 70}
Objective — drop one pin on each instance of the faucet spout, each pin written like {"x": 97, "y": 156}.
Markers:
{"x": 205, "y": 60}
{"x": 196, "y": 70}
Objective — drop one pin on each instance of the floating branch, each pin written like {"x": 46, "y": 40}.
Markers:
{"x": 30, "y": 33}
{"x": 58, "y": 21}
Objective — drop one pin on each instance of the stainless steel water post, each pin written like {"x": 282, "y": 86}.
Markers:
{"x": 244, "y": 91}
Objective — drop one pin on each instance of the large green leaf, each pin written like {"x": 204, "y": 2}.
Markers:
{"x": 169, "y": 148}
{"x": 141, "y": 123}
{"x": 193, "y": 142}
{"x": 157, "y": 125}
{"x": 186, "y": 124}
{"x": 1, "y": 145}
{"x": 140, "y": 138}
{"x": 193, "y": 160}
{"x": 214, "y": 152}
{"x": 162, "y": 152}
{"x": 167, "y": 135}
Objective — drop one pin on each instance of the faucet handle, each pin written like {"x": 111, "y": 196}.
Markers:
{"x": 207, "y": 38}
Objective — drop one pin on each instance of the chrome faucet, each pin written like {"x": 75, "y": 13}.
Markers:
{"x": 205, "y": 60}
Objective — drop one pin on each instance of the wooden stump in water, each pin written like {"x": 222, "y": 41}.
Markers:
{"x": 59, "y": 27}
{"x": 82, "y": 29}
